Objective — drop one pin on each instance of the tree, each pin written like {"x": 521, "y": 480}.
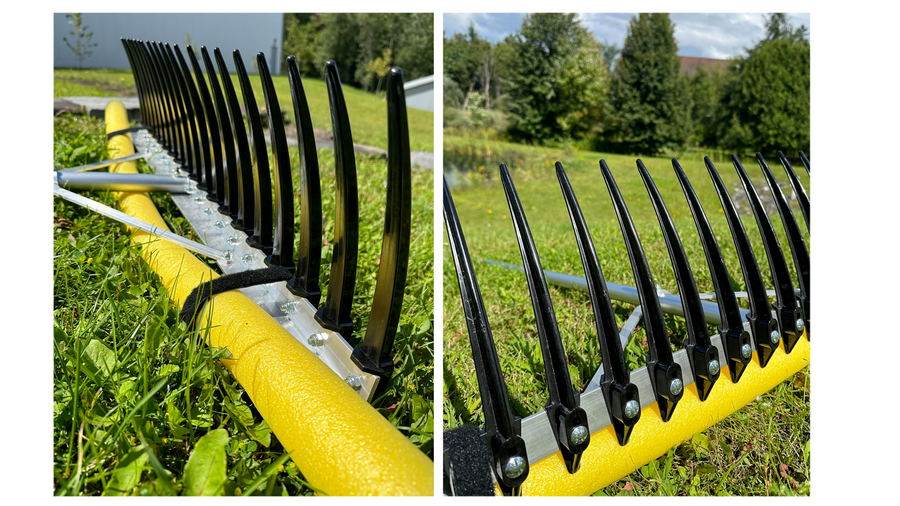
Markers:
{"x": 778, "y": 27}
{"x": 649, "y": 100}
{"x": 300, "y": 40}
{"x": 706, "y": 91}
{"x": 81, "y": 44}
{"x": 557, "y": 82}
{"x": 610, "y": 52}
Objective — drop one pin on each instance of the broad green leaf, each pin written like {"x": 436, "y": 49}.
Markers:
{"x": 128, "y": 473}
{"x": 103, "y": 358}
{"x": 168, "y": 369}
{"x": 204, "y": 473}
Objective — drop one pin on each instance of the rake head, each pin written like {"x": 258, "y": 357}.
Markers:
{"x": 197, "y": 120}
{"x": 617, "y": 395}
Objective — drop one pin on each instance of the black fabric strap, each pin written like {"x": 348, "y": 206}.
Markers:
{"x": 126, "y": 130}
{"x": 204, "y": 291}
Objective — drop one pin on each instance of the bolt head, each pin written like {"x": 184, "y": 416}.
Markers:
{"x": 800, "y": 325}
{"x": 676, "y": 386}
{"x": 514, "y": 467}
{"x": 713, "y": 367}
{"x": 579, "y": 435}
{"x": 746, "y": 351}
{"x": 632, "y": 408}
{"x": 774, "y": 337}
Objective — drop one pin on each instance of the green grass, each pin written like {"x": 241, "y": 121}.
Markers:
{"x": 136, "y": 394}
{"x": 757, "y": 440}
{"x": 368, "y": 112}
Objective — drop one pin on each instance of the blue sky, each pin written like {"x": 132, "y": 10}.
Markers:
{"x": 704, "y": 35}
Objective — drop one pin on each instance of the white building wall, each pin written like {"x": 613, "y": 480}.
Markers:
{"x": 250, "y": 33}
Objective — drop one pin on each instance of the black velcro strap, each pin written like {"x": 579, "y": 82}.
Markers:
{"x": 126, "y": 130}
{"x": 202, "y": 293}
{"x": 467, "y": 463}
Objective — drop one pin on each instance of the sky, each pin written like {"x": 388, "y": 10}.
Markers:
{"x": 704, "y": 35}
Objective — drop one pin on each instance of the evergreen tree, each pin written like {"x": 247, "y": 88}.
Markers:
{"x": 649, "y": 100}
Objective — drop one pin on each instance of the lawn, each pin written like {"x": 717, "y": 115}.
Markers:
{"x": 124, "y": 365}
{"x": 763, "y": 449}
{"x": 368, "y": 116}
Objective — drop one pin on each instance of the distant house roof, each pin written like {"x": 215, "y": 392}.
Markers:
{"x": 690, "y": 64}
{"x": 419, "y": 82}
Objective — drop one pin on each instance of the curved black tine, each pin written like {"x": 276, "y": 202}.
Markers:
{"x": 335, "y": 314}
{"x": 736, "y": 340}
{"x": 305, "y": 282}
{"x": 189, "y": 119}
{"x": 147, "y": 115}
{"x": 622, "y": 398}
{"x": 763, "y": 325}
{"x": 665, "y": 374}
{"x": 175, "y": 106}
{"x": 375, "y": 354}
{"x": 283, "y": 243}
{"x": 704, "y": 357}
{"x": 790, "y": 319}
{"x": 199, "y": 125}
{"x": 229, "y": 176}
{"x": 246, "y": 201}
{"x": 567, "y": 419}
{"x": 215, "y": 164}
{"x": 169, "y": 126}
{"x": 797, "y": 186}
{"x": 262, "y": 181}
{"x": 805, "y": 160}
{"x": 798, "y": 250}
{"x": 502, "y": 431}
{"x": 149, "y": 84}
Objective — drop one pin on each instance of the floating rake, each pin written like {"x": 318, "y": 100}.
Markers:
{"x": 583, "y": 441}
{"x": 241, "y": 203}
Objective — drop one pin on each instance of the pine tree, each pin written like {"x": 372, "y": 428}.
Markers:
{"x": 649, "y": 100}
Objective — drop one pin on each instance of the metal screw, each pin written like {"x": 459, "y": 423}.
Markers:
{"x": 190, "y": 190}
{"x": 676, "y": 386}
{"x": 579, "y": 435}
{"x": 207, "y": 211}
{"x": 774, "y": 337}
{"x": 632, "y": 408}
{"x": 198, "y": 198}
{"x": 289, "y": 307}
{"x": 219, "y": 224}
{"x": 247, "y": 258}
{"x": 229, "y": 255}
{"x": 233, "y": 240}
{"x": 800, "y": 325}
{"x": 317, "y": 339}
{"x": 713, "y": 367}
{"x": 514, "y": 467}
{"x": 746, "y": 351}
{"x": 354, "y": 381}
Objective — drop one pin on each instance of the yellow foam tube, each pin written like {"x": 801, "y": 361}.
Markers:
{"x": 342, "y": 445}
{"x": 605, "y": 461}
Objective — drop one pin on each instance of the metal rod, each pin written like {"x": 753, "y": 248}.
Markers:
{"x": 106, "y": 163}
{"x": 100, "y": 181}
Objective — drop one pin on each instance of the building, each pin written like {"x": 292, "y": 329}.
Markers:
{"x": 420, "y": 93}
{"x": 690, "y": 65}
{"x": 250, "y": 33}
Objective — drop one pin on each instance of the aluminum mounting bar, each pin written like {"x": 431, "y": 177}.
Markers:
{"x": 705, "y": 365}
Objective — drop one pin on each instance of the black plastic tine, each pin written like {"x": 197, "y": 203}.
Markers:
{"x": 805, "y": 160}
{"x": 621, "y": 395}
{"x": 502, "y": 431}
{"x": 283, "y": 243}
{"x": 183, "y": 119}
{"x": 704, "y": 357}
{"x": 799, "y": 190}
{"x": 375, "y": 354}
{"x": 213, "y": 147}
{"x": 763, "y": 324}
{"x": 736, "y": 340}
{"x": 790, "y": 318}
{"x": 305, "y": 282}
{"x": 168, "y": 124}
{"x": 262, "y": 180}
{"x": 335, "y": 314}
{"x": 201, "y": 139}
{"x": 229, "y": 176}
{"x": 147, "y": 115}
{"x": 567, "y": 419}
{"x": 157, "y": 120}
{"x": 798, "y": 251}
{"x": 246, "y": 201}
{"x": 174, "y": 105}
{"x": 665, "y": 374}
{"x": 190, "y": 120}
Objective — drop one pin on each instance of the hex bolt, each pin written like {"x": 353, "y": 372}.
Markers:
{"x": 800, "y": 325}
{"x": 632, "y": 408}
{"x": 579, "y": 435}
{"x": 746, "y": 351}
{"x": 774, "y": 337}
{"x": 514, "y": 467}
{"x": 713, "y": 367}
{"x": 354, "y": 381}
{"x": 318, "y": 340}
{"x": 676, "y": 386}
